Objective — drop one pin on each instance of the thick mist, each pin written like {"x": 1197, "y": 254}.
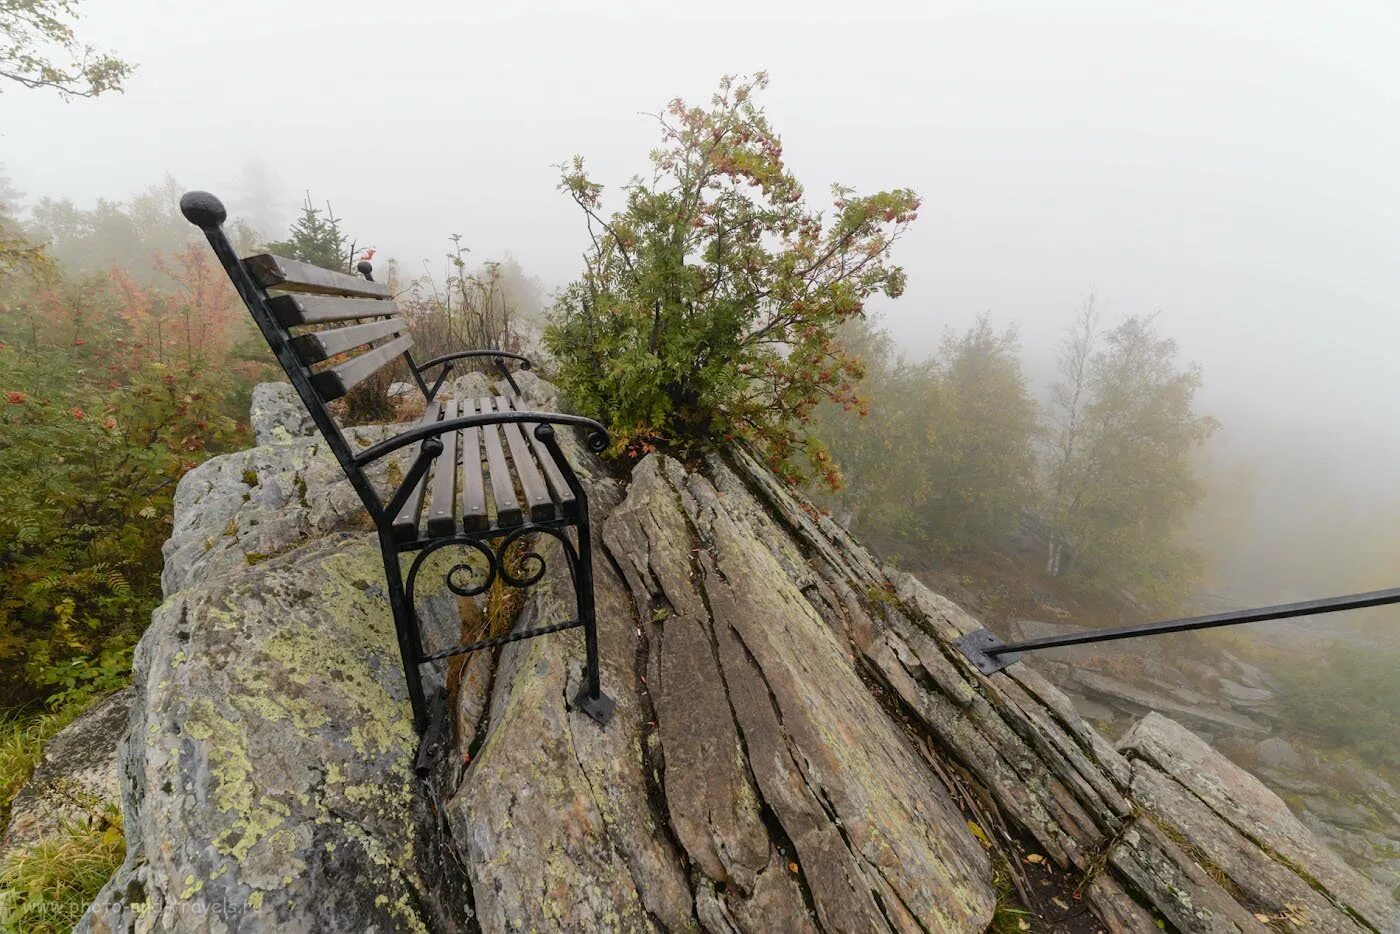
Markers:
{"x": 1230, "y": 166}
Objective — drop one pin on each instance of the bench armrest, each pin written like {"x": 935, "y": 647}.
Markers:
{"x": 448, "y": 357}
{"x": 597, "y": 440}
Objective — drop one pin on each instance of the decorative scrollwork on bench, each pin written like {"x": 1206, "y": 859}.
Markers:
{"x": 532, "y": 563}
{"x": 467, "y": 580}
{"x": 462, "y": 587}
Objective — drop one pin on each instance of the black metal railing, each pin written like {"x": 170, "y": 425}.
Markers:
{"x": 990, "y": 654}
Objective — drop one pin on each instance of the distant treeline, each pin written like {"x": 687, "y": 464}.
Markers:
{"x": 954, "y": 450}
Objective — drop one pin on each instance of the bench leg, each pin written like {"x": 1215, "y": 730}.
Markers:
{"x": 591, "y": 699}
{"x": 406, "y": 626}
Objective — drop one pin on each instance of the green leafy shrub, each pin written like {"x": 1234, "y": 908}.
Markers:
{"x": 88, "y": 473}
{"x": 709, "y": 304}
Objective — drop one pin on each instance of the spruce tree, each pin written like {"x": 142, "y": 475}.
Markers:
{"x": 315, "y": 237}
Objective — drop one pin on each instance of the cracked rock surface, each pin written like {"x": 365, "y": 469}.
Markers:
{"x": 796, "y": 746}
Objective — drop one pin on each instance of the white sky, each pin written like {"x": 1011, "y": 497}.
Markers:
{"x": 1234, "y": 165}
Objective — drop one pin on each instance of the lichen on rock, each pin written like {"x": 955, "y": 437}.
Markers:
{"x": 277, "y": 414}
{"x": 268, "y": 759}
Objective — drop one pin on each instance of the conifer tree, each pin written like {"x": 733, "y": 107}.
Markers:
{"x": 315, "y": 237}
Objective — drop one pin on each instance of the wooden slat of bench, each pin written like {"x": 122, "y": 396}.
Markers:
{"x": 568, "y": 506}
{"x": 338, "y": 380}
{"x": 297, "y": 310}
{"x": 276, "y": 272}
{"x": 502, "y": 486}
{"x": 531, "y": 482}
{"x": 313, "y": 348}
{"x": 474, "y": 517}
{"x": 406, "y": 522}
{"x": 440, "y": 510}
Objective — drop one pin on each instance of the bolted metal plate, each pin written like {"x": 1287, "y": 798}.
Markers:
{"x": 600, "y": 708}
{"x": 974, "y": 646}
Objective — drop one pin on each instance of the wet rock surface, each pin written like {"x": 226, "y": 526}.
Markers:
{"x": 796, "y": 745}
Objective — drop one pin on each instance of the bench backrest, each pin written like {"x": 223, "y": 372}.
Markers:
{"x": 330, "y": 316}
{"x": 330, "y": 331}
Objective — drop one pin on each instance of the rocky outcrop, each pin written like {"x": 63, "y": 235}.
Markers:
{"x": 749, "y": 780}
{"x": 1235, "y": 705}
{"x": 796, "y": 746}
{"x": 790, "y": 699}
{"x": 1244, "y": 831}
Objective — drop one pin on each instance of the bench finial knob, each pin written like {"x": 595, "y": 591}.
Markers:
{"x": 202, "y": 209}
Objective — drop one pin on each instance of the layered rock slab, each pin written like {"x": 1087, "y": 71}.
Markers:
{"x": 876, "y": 840}
{"x": 1247, "y": 832}
{"x": 726, "y": 794}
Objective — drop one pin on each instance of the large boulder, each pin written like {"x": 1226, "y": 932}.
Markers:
{"x": 240, "y": 509}
{"x": 267, "y": 763}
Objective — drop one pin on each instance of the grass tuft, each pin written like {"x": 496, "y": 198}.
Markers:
{"x": 22, "y": 740}
{"x": 46, "y": 887}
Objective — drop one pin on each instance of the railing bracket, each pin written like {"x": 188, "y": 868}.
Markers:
{"x": 975, "y": 645}
{"x": 600, "y": 708}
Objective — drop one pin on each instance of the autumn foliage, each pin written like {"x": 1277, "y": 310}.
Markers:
{"x": 111, "y": 388}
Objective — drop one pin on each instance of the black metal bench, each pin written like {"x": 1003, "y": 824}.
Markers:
{"x": 468, "y": 453}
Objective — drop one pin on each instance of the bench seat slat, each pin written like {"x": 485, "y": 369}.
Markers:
{"x": 314, "y": 348}
{"x": 502, "y": 486}
{"x": 558, "y": 487}
{"x": 276, "y": 272}
{"x": 338, "y": 380}
{"x": 406, "y": 522}
{"x": 531, "y": 482}
{"x": 294, "y": 311}
{"x": 440, "y": 510}
{"x": 474, "y": 517}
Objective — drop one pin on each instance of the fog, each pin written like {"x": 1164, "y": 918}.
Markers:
{"x": 1229, "y": 165}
